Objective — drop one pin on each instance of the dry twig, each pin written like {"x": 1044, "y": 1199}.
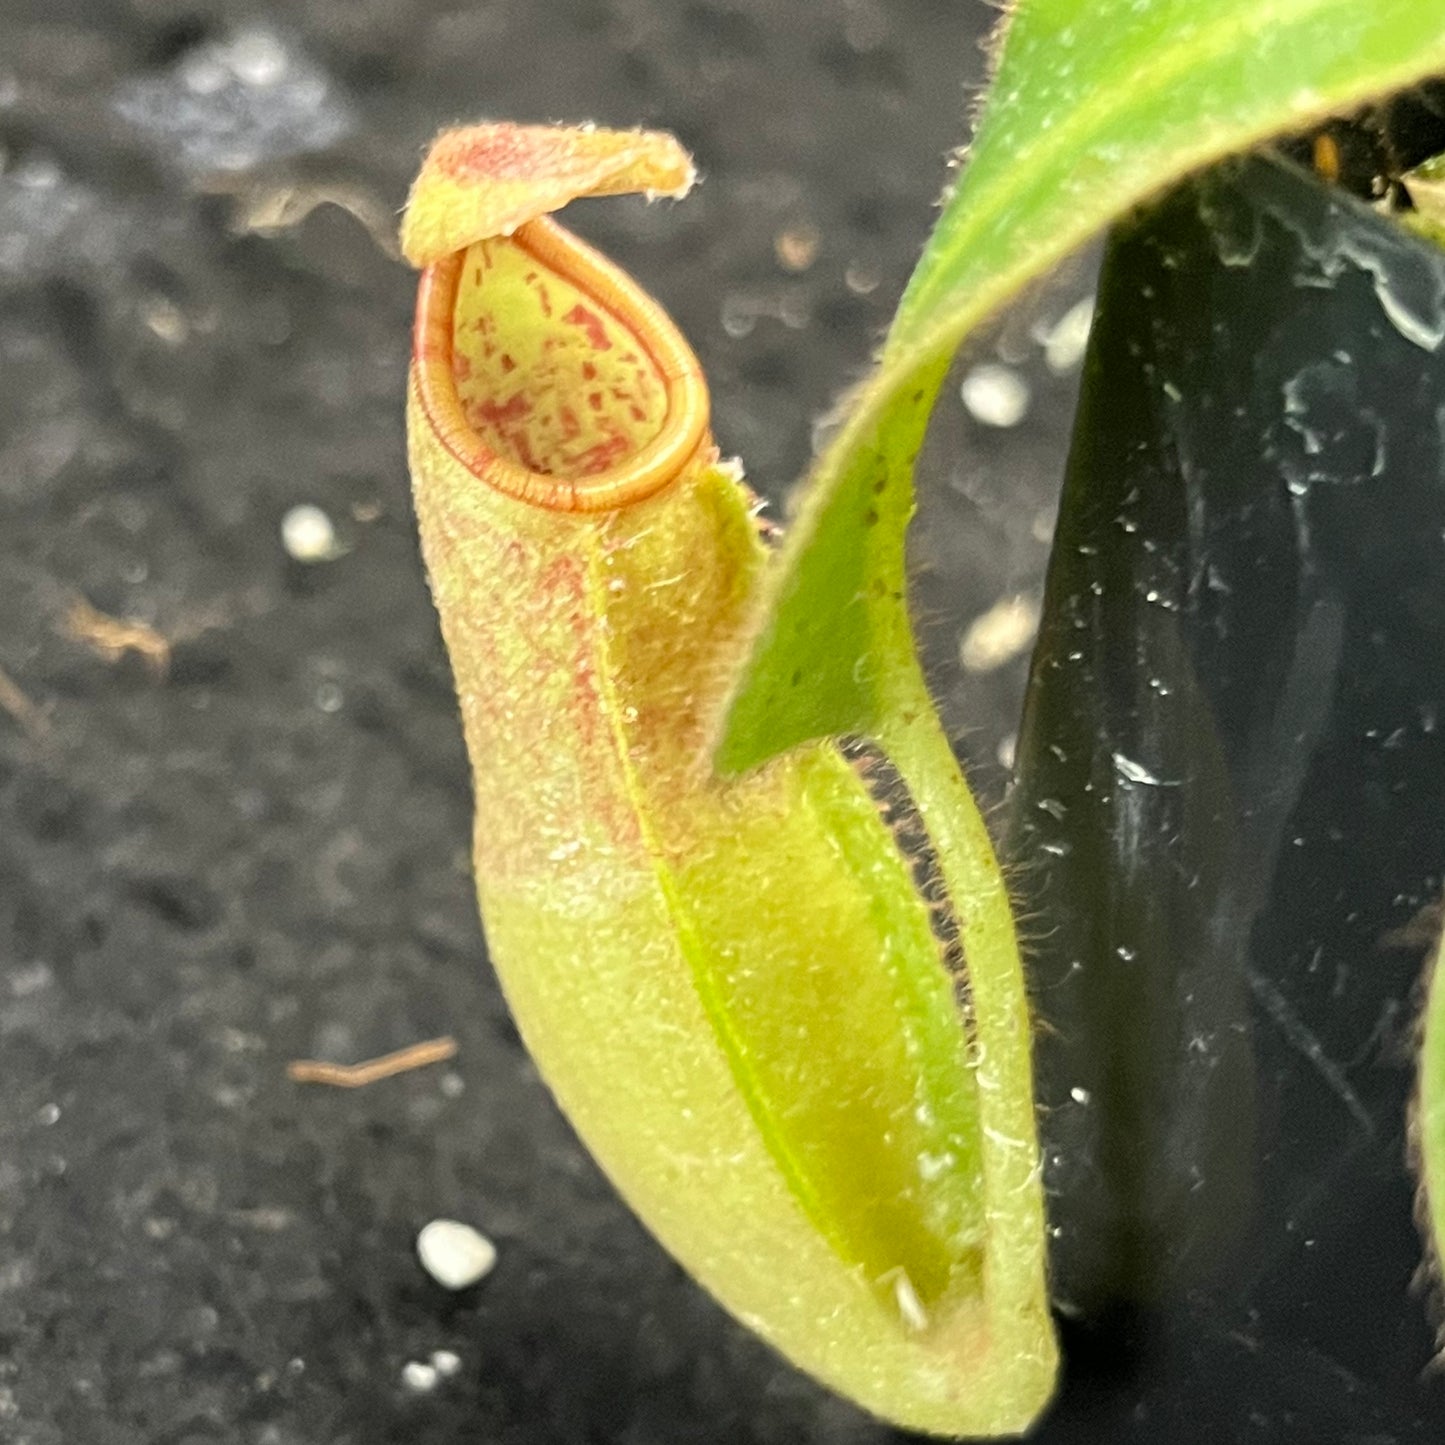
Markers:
{"x": 14, "y": 701}
{"x": 113, "y": 637}
{"x": 353, "y": 1076}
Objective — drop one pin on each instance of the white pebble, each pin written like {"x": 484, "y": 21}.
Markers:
{"x": 995, "y": 395}
{"x": 997, "y": 636}
{"x": 1008, "y": 747}
{"x": 455, "y": 1254}
{"x": 329, "y": 697}
{"x": 418, "y": 1376}
{"x": 446, "y": 1363}
{"x": 308, "y": 535}
{"x": 256, "y": 58}
{"x": 1066, "y": 340}
{"x": 30, "y": 978}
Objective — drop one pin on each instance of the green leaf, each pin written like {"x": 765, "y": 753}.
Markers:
{"x": 1094, "y": 107}
{"x": 1429, "y": 1120}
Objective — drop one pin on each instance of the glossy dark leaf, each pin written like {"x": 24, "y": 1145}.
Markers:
{"x": 1231, "y": 812}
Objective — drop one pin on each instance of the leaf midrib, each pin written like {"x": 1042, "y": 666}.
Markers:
{"x": 682, "y": 918}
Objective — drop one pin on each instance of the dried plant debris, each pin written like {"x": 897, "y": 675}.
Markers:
{"x": 15, "y": 702}
{"x": 113, "y": 637}
{"x": 1372, "y": 152}
{"x": 267, "y": 202}
{"x": 356, "y": 1076}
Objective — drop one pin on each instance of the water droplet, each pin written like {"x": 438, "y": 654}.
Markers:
{"x": 861, "y": 280}
{"x": 910, "y": 1307}
{"x": 738, "y": 315}
{"x": 794, "y": 310}
{"x": 1235, "y": 228}
{"x": 931, "y": 1166}
{"x": 1426, "y": 331}
{"x": 1133, "y": 772}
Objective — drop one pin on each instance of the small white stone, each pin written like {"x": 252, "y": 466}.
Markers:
{"x": 329, "y": 697}
{"x": 308, "y": 535}
{"x": 446, "y": 1363}
{"x": 1067, "y": 339}
{"x": 418, "y": 1376}
{"x": 1008, "y": 747}
{"x": 256, "y": 58}
{"x": 997, "y": 636}
{"x": 455, "y": 1254}
{"x": 166, "y": 320}
{"x": 995, "y": 395}
{"x": 30, "y": 978}
{"x": 203, "y": 74}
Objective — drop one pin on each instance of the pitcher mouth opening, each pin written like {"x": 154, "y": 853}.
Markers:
{"x": 552, "y": 377}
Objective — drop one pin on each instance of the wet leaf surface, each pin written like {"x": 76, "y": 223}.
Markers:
{"x": 1228, "y": 820}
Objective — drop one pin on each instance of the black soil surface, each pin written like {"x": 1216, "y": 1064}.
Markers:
{"x": 258, "y": 851}
{"x": 234, "y": 823}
